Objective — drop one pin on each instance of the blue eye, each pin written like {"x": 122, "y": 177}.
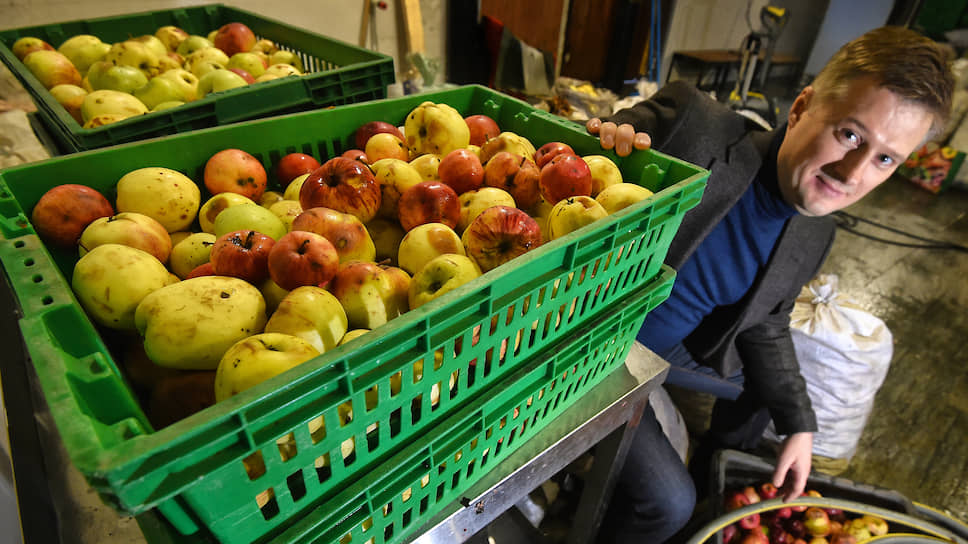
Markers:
{"x": 850, "y": 136}
{"x": 886, "y": 160}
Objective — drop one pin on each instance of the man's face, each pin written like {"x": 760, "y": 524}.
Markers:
{"x": 836, "y": 151}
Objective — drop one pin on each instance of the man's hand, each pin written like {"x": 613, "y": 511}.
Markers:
{"x": 793, "y": 465}
{"x": 622, "y": 137}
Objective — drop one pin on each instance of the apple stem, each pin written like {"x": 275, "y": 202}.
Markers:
{"x": 303, "y": 246}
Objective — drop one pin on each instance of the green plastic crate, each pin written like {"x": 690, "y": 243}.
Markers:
{"x": 336, "y": 73}
{"x": 189, "y": 469}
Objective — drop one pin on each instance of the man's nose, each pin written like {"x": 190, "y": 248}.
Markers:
{"x": 850, "y": 169}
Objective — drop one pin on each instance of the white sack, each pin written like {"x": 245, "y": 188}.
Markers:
{"x": 844, "y": 354}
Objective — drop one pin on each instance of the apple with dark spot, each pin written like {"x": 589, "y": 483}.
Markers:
{"x": 462, "y": 170}
{"x": 302, "y": 258}
{"x": 242, "y": 254}
{"x": 64, "y": 211}
{"x": 370, "y": 128}
{"x": 499, "y": 234}
{"x": 565, "y": 176}
{"x": 428, "y": 202}
{"x": 344, "y": 185}
{"x": 293, "y": 165}
{"x": 235, "y": 171}
{"x": 515, "y": 174}
{"x": 482, "y": 128}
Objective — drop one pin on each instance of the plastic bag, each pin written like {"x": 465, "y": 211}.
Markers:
{"x": 844, "y": 355}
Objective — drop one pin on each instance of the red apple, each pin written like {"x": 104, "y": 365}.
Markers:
{"x": 749, "y": 522}
{"x": 795, "y": 527}
{"x": 565, "y": 176}
{"x": 516, "y": 174}
{"x": 244, "y": 75}
{"x": 499, "y": 234}
{"x": 482, "y": 128}
{"x": 842, "y": 538}
{"x": 242, "y": 254}
{"x": 729, "y": 533}
{"x": 345, "y": 231}
{"x": 27, "y": 45}
{"x": 293, "y": 165}
{"x": 356, "y": 155}
{"x": 302, "y": 258}
{"x": 754, "y": 535}
{"x": 64, "y": 211}
{"x": 462, "y": 170}
{"x": 235, "y": 171}
{"x": 751, "y": 494}
{"x": 204, "y": 269}
{"x": 550, "y": 150}
{"x": 344, "y": 185}
{"x": 367, "y": 130}
{"x": 768, "y": 491}
{"x": 386, "y": 146}
{"x": 234, "y": 38}
{"x": 736, "y": 500}
{"x": 428, "y": 202}
{"x": 783, "y": 513}
{"x": 816, "y": 521}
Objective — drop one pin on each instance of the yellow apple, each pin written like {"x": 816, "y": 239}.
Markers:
{"x": 441, "y": 275}
{"x": 257, "y": 358}
{"x": 111, "y": 280}
{"x": 424, "y": 243}
{"x": 604, "y": 172}
{"x": 473, "y": 202}
{"x": 394, "y": 176}
{"x": 621, "y": 195}
{"x": 571, "y": 214}
{"x": 166, "y": 195}
{"x": 130, "y": 229}
{"x": 191, "y": 252}
{"x": 313, "y": 314}
{"x": 216, "y": 205}
{"x": 435, "y": 128}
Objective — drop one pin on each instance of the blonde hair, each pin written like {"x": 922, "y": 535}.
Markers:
{"x": 913, "y": 67}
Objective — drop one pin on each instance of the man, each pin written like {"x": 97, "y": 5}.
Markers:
{"x": 756, "y": 238}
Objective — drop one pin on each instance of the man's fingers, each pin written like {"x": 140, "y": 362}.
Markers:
{"x": 606, "y": 134}
{"x": 642, "y": 141}
{"x": 593, "y": 125}
{"x": 623, "y": 139}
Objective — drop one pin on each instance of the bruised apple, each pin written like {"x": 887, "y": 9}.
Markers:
{"x": 242, "y": 254}
{"x": 346, "y": 232}
{"x": 499, "y": 234}
{"x": 130, "y": 229}
{"x": 64, "y": 211}
{"x": 550, "y": 150}
{"x": 302, "y": 258}
{"x": 428, "y": 202}
{"x": 235, "y": 171}
{"x": 515, "y": 174}
{"x": 368, "y": 129}
{"x": 293, "y": 165}
{"x": 462, "y": 170}
{"x": 344, "y": 185}
{"x": 482, "y": 128}
{"x": 565, "y": 176}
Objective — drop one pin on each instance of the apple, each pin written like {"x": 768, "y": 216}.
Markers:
{"x": 170, "y": 61}
{"x": 353, "y": 335}
{"x": 191, "y": 44}
{"x": 344, "y": 185}
{"x": 64, "y": 211}
{"x": 565, "y": 176}
{"x": 171, "y": 36}
{"x": 482, "y": 128}
{"x": 27, "y": 45}
{"x": 248, "y": 61}
{"x": 346, "y": 232}
{"x": 253, "y": 360}
{"x": 604, "y": 172}
{"x": 265, "y": 47}
{"x": 159, "y": 90}
{"x": 425, "y": 242}
{"x": 167, "y": 105}
{"x": 287, "y": 211}
{"x": 427, "y": 166}
{"x": 384, "y": 145}
{"x": 816, "y": 521}
{"x": 235, "y": 171}
{"x": 386, "y": 235}
{"x": 107, "y": 102}
{"x": 178, "y": 236}
{"x": 130, "y": 229}
{"x": 768, "y": 491}
{"x": 282, "y": 57}
{"x": 272, "y": 293}
{"x": 83, "y": 50}
{"x": 435, "y": 128}
{"x": 242, "y": 254}
{"x": 105, "y": 75}
{"x": 750, "y": 522}
{"x": 185, "y": 80}
{"x": 516, "y": 174}
{"x": 368, "y": 129}
{"x": 52, "y": 68}
{"x": 428, "y": 202}
{"x": 506, "y": 141}
{"x": 70, "y": 97}
{"x": 472, "y": 203}
{"x": 188, "y": 254}
{"x": 269, "y": 198}
{"x": 204, "y": 269}
{"x": 153, "y": 44}
{"x": 550, "y": 150}
{"x": 311, "y": 313}
{"x": 276, "y": 71}
{"x": 111, "y": 280}
{"x": 499, "y": 234}
{"x": 234, "y": 38}
{"x": 394, "y": 176}
{"x": 243, "y": 74}
{"x": 218, "y": 79}
{"x": 356, "y": 155}
{"x": 368, "y": 294}
{"x": 877, "y": 526}
{"x": 441, "y": 275}
{"x": 621, "y": 195}
{"x": 250, "y": 217}
{"x": 216, "y": 205}
{"x": 462, "y": 170}
{"x": 571, "y": 214}
{"x": 302, "y": 258}
{"x": 292, "y": 190}
{"x": 136, "y": 54}
{"x": 841, "y": 538}
{"x": 293, "y": 165}
{"x": 103, "y": 119}
{"x": 751, "y": 494}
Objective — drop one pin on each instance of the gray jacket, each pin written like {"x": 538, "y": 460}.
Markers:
{"x": 754, "y": 333}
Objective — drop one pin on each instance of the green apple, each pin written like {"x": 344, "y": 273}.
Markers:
{"x": 621, "y": 195}
{"x": 168, "y": 105}
{"x": 191, "y": 44}
{"x": 219, "y": 80}
{"x": 282, "y": 56}
{"x": 187, "y": 81}
{"x": 136, "y": 54}
{"x": 212, "y": 55}
{"x": 108, "y": 102}
{"x": 313, "y": 314}
{"x": 171, "y": 36}
{"x": 276, "y": 71}
{"x": 272, "y": 293}
{"x": 604, "y": 172}
{"x": 159, "y": 90}
{"x": 426, "y": 242}
{"x": 112, "y": 279}
{"x": 84, "y": 50}
{"x": 250, "y": 217}
{"x": 441, "y": 275}
{"x": 571, "y": 214}
{"x": 106, "y": 75}
{"x": 130, "y": 229}
{"x": 190, "y": 253}
{"x": 250, "y": 62}
{"x": 216, "y": 205}
{"x": 253, "y": 360}
{"x": 287, "y": 211}
{"x": 153, "y": 44}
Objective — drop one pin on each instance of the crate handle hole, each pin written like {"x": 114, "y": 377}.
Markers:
{"x": 19, "y": 244}
{"x": 47, "y": 300}
{"x": 267, "y": 504}
{"x": 254, "y": 465}
{"x": 29, "y": 262}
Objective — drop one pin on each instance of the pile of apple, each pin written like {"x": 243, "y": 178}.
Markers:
{"x": 100, "y": 83}
{"x": 251, "y": 282}
{"x": 796, "y": 524}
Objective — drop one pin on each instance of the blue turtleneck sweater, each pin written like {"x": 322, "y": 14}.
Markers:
{"x": 724, "y": 266}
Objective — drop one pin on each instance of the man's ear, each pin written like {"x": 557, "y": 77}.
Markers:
{"x": 799, "y": 106}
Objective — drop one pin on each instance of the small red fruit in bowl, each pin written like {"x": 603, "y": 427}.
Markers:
{"x": 749, "y": 522}
{"x": 293, "y": 165}
{"x": 242, "y": 254}
{"x": 482, "y": 128}
{"x": 550, "y": 150}
{"x": 563, "y": 177}
{"x": 462, "y": 170}
{"x": 302, "y": 258}
{"x": 428, "y": 202}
